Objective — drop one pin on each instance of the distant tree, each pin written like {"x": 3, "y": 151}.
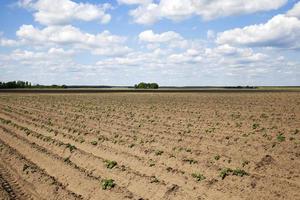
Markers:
{"x": 25, "y": 84}
{"x": 143, "y": 85}
{"x": 154, "y": 86}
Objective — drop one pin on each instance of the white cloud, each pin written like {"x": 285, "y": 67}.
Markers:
{"x": 195, "y": 56}
{"x": 116, "y": 50}
{"x": 146, "y": 14}
{"x": 221, "y": 8}
{"x": 202, "y": 65}
{"x": 227, "y": 50}
{"x": 103, "y": 43}
{"x": 295, "y": 11}
{"x": 8, "y": 42}
{"x": 52, "y": 53}
{"x": 60, "y": 51}
{"x": 67, "y": 34}
{"x": 26, "y": 3}
{"x": 132, "y": 2}
{"x": 170, "y": 38}
{"x": 53, "y": 57}
{"x": 51, "y": 66}
{"x": 210, "y": 34}
{"x": 208, "y": 10}
{"x": 280, "y": 31}
{"x": 60, "y": 12}
{"x": 184, "y": 58}
{"x": 193, "y": 53}
{"x": 165, "y": 55}
{"x": 150, "y": 36}
{"x": 194, "y": 63}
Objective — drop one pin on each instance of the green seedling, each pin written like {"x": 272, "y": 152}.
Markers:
{"x": 240, "y": 172}
{"x": 151, "y": 164}
{"x": 198, "y": 176}
{"x": 94, "y": 143}
{"x": 280, "y": 137}
{"x": 107, "y": 184}
{"x": 225, "y": 172}
{"x": 158, "y": 152}
{"x": 25, "y": 167}
{"x": 110, "y": 164}
{"x": 255, "y": 126}
{"x": 217, "y": 157}
{"x": 67, "y": 160}
{"x": 246, "y": 162}
{"x": 236, "y": 172}
{"x": 154, "y": 179}
{"x": 131, "y": 146}
{"x": 191, "y": 161}
{"x": 71, "y": 147}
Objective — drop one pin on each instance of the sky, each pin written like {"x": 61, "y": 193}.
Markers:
{"x": 170, "y": 42}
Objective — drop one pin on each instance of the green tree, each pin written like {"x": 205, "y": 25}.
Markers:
{"x": 143, "y": 85}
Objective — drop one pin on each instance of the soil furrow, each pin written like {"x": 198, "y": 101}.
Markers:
{"x": 70, "y": 177}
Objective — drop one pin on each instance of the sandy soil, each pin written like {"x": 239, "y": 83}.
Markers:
{"x": 152, "y": 145}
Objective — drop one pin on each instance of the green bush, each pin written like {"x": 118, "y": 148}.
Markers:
{"x": 143, "y": 85}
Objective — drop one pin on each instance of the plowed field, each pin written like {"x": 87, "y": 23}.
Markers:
{"x": 150, "y": 146}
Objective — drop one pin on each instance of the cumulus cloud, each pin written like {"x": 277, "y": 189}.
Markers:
{"x": 26, "y": 3}
{"x": 194, "y": 63}
{"x": 146, "y": 14}
{"x": 295, "y": 11}
{"x": 132, "y": 2}
{"x": 202, "y": 65}
{"x": 20, "y": 59}
{"x": 52, "y": 48}
{"x": 52, "y": 53}
{"x": 103, "y": 43}
{"x": 67, "y": 34}
{"x": 169, "y": 38}
{"x": 281, "y": 31}
{"x": 49, "y": 66}
{"x": 210, "y": 34}
{"x": 196, "y": 56}
{"x": 176, "y": 10}
{"x": 60, "y": 12}
{"x": 222, "y": 8}
{"x": 8, "y": 42}
{"x": 150, "y": 36}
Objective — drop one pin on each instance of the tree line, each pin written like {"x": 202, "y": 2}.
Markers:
{"x": 15, "y": 84}
{"x": 26, "y": 84}
{"x": 143, "y": 85}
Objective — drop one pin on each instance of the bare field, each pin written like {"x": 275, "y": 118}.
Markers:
{"x": 150, "y": 146}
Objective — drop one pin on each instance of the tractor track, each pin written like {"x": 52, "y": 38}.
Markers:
{"x": 10, "y": 184}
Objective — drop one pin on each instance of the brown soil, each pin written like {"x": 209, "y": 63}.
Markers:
{"x": 166, "y": 145}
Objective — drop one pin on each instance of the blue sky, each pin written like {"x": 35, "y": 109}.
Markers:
{"x": 171, "y": 42}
